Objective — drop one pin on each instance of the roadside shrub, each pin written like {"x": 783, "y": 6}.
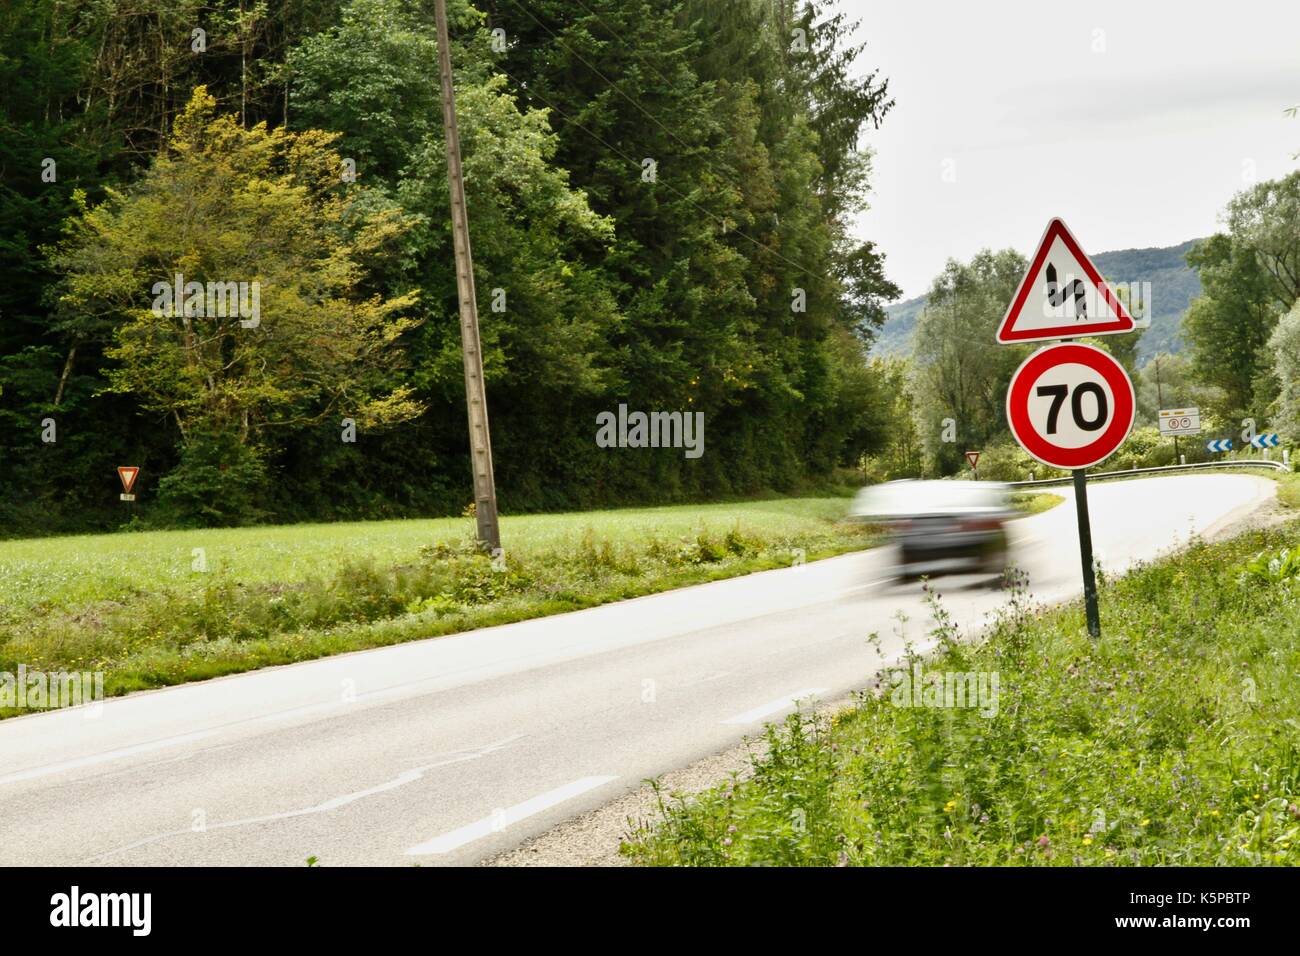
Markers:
{"x": 218, "y": 482}
{"x": 205, "y": 625}
{"x": 1167, "y": 742}
{"x": 1010, "y": 462}
{"x": 704, "y": 548}
{"x": 1144, "y": 448}
{"x": 1266, "y": 568}
{"x": 603, "y": 556}
{"x": 737, "y": 542}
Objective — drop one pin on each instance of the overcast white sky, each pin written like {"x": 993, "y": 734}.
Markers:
{"x": 1133, "y": 121}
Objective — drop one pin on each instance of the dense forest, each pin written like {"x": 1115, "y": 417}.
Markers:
{"x": 226, "y": 243}
{"x": 659, "y": 196}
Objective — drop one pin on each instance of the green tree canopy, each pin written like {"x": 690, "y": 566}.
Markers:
{"x": 1228, "y": 325}
{"x": 230, "y": 205}
{"x": 959, "y": 371}
{"x": 1266, "y": 219}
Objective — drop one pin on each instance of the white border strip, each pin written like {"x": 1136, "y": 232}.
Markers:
{"x": 774, "y": 706}
{"x": 500, "y": 819}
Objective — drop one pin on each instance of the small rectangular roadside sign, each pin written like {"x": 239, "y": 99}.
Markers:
{"x": 1180, "y": 421}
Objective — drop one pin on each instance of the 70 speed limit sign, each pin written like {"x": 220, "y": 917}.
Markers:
{"x": 1070, "y": 405}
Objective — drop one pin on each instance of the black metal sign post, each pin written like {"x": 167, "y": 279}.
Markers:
{"x": 1085, "y": 551}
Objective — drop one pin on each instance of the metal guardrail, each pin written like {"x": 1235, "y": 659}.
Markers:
{"x": 1246, "y": 463}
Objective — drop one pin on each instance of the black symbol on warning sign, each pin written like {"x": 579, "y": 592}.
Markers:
{"x": 1057, "y": 295}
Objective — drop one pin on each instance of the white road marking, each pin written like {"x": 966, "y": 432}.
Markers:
{"x": 774, "y": 706}
{"x": 408, "y": 776}
{"x": 858, "y": 588}
{"x": 105, "y": 757}
{"x": 708, "y": 678}
{"x": 500, "y": 819}
{"x": 109, "y": 755}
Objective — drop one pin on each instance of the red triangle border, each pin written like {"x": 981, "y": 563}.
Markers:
{"x": 1006, "y": 333}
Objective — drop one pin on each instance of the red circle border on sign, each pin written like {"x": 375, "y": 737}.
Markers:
{"x": 1032, "y": 368}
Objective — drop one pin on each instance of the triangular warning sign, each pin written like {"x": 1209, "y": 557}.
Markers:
{"x": 127, "y": 474}
{"x": 974, "y": 458}
{"x": 1062, "y": 296}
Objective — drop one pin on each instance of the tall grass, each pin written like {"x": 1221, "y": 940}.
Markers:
{"x": 274, "y": 596}
{"x": 1175, "y": 739}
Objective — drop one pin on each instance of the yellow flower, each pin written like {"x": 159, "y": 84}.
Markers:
{"x": 1087, "y": 841}
{"x": 1214, "y": 813}
{"x": 950, "y": 806}
{"x": 1145, "y": 822}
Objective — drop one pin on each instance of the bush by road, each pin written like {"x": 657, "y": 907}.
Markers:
{"x": 156, "y": 608}
{"x": 1175, "y": 739}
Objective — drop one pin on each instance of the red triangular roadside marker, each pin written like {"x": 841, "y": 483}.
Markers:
{"x": 127, "y": 474}
{"x": 1062, "y": 296}
{"x": 974, "y": 458}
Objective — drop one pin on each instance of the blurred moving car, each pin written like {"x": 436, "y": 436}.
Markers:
{"x": 941, "y": 527}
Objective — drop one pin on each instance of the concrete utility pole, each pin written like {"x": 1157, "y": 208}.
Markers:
{"x": 480, "y": 442}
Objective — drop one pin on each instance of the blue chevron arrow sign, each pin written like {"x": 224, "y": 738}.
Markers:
{"x": 1266, "y": 441}
{"x": 1219, "y": 444}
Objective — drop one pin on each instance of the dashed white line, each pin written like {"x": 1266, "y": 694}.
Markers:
{"x": 500, "y": 819}
{"x": 774, "y": 706}
{"x": 857, "y": 588}
{"x": 706, "y": 679}
{"x": 334, "y": 803}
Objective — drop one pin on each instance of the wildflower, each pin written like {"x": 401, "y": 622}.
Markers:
{"x": 1145, "y": 821}
{"x": 1044, "y": 842}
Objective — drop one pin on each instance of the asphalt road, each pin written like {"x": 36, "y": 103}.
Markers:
{"x": 451, "y": 750}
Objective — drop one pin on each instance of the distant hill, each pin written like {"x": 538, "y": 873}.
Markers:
{"x": 895, "y": 336}
{"x": 1173, "y": 286}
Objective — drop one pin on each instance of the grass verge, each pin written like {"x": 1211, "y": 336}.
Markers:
{"x": 1174, "y": 740}
{"x": 1034, "y": 502}
{"x": 157, "y": 608}
{"x": 1288, "y": 489}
